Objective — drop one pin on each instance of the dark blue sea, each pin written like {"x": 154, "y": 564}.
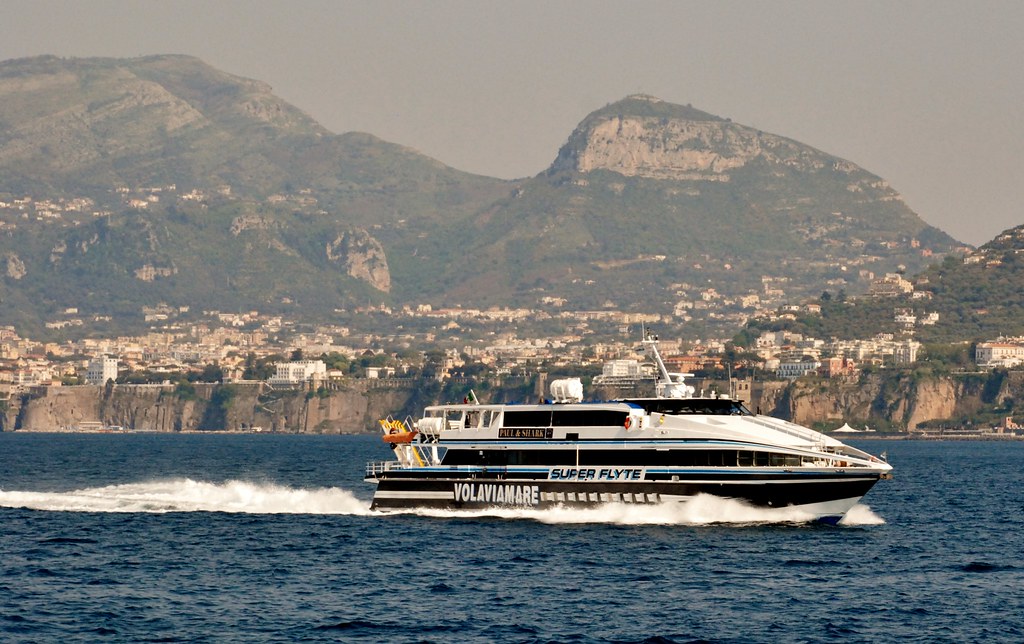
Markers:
{"x": 265, "y": 538}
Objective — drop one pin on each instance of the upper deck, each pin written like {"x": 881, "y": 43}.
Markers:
{"x": 522, "y": 421}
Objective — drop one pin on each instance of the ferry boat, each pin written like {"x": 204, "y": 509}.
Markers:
{"x": 665, "y": 449}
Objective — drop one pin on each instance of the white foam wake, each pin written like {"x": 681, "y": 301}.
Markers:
{"x": 186, "y": 495}
{"x": 861, "y": 515}
{"x": 700, "y": 510}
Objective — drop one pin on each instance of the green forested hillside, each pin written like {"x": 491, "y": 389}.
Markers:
{"x": 977, "y": 297}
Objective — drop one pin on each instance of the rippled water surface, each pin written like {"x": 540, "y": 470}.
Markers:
{"x": 268, "y": 538}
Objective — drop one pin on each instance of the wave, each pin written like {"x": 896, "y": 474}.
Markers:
{"x": 861, "y": 514}
{"x": 187, "y": 495}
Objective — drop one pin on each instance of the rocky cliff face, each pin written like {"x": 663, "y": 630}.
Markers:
{"x": 160, "y": 408}
{"x": 899, "y": 401}
{"x": 363, "y": 258}
{"x": 150, "y": 407}
{"x": 59, "y": 407}
{"x": 930, "y": 400}
{"x": 642, "y": 136}
{"x": 683, "y": 150}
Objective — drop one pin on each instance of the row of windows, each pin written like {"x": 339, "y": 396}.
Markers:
{"x": 565, "y": 418}
{"x": 647, "y": 458}
{"x": 692, "y": 406}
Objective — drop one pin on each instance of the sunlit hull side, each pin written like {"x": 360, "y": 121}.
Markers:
{"x": 823, "y": 496}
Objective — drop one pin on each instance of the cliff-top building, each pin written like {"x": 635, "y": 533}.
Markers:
{"x": 101, "y": 370}
{"x": 298, "y": 372}
{"x": 998, "y": 354}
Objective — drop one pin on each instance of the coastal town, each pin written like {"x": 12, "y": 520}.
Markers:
{"x": 380, "y": 342}
{"x": 228, "y": 340}
{"x": 450, "y": 344}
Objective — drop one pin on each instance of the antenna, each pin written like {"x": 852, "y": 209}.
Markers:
{"x": 667, "y": 385}
{"x": 732, "y": 385}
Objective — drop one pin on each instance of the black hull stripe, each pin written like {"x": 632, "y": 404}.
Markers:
{"x": 406, "y": 493}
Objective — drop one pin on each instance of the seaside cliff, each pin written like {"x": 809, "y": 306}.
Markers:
{"x": 887, "y": 401}
{"x": 166, "y": 408}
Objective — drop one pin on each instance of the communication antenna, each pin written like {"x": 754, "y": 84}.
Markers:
{"x": 667, "y": 384}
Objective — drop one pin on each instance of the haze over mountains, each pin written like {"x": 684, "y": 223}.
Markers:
{"x": 197, "y": 188}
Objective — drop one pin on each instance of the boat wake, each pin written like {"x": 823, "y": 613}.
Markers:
{"x": 703, "y": 509}
{"x": 187, "y": 495}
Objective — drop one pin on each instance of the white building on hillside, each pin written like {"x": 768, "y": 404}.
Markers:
{"x": 797, "y": 368}
{"x": 298, "y": 372}
{"x": 101, "y": 370}
{"x": 905, "y": 352}
{"x": 999, "y": 354}
{"x": 622, "y": 372}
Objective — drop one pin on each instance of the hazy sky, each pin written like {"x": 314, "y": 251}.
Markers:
{"x": 928, "y": 95}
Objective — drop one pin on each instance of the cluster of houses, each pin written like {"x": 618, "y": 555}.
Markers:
{"x": 228, "y": 340}
{"x": 26, "y": 207}
{"x": 137, "y": 198}
{"x": 791, "y": 355}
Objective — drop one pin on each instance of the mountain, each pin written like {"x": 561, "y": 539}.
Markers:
{"x": 648, "y": 199}
{"x": 163, "y": 180}
{"x": 160, "y": 182}
{"x": 87, "y": 126}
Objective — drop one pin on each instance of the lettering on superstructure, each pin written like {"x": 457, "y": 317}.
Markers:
{"x": 596, "y": 474}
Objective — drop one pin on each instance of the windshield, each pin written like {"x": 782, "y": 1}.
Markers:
{"x": 684, "y": 406}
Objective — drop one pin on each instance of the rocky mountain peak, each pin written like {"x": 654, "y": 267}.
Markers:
{"x": 644, "y": 136}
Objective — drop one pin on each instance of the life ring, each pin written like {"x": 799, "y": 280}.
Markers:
{"x": 628, "y": 423}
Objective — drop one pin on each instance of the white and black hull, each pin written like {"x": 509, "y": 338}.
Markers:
{"x": 824, "y": 495}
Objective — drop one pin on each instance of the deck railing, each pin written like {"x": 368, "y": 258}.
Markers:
{"x": 375, "y": 468}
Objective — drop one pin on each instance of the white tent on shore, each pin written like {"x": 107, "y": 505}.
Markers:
{"x": 846, "y": 429}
